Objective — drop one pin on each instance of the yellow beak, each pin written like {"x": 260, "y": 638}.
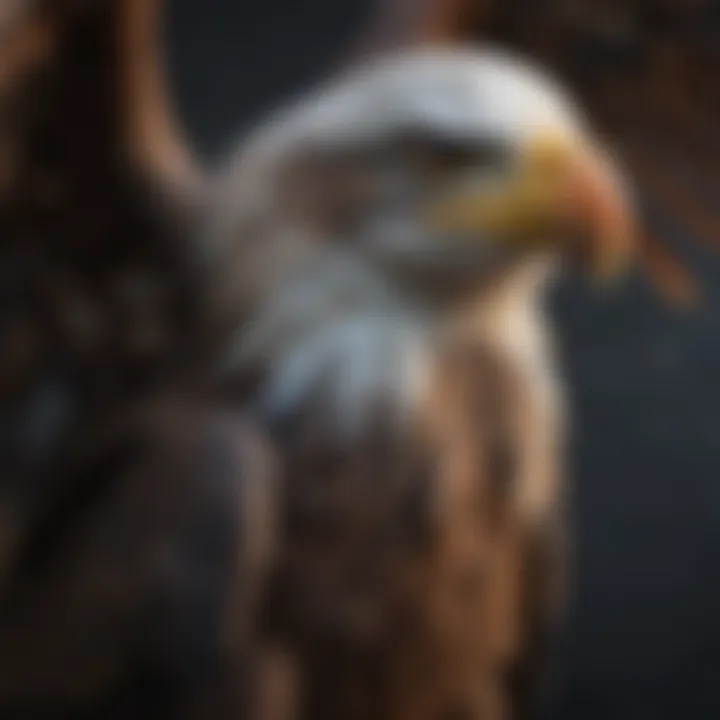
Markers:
{"x": 558, "y": 185}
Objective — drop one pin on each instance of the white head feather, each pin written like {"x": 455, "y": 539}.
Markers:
{"x": 454, "y": 93}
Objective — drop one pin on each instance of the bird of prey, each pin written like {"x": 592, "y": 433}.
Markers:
{"x": 365, "y": 521}
{"x": 383, "y": 245}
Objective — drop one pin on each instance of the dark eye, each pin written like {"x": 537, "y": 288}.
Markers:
{"x": 490, "y": 152}
{"x": 453, "y": 154}
{"x": 440, "y": 155}
{"x": 494, "y": 153}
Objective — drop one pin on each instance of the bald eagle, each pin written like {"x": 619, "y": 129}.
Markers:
{"x": 383, "y": 245}
{"x": 367, "y": 522}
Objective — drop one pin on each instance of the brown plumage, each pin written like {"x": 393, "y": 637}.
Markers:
{"x": 194, "y": 549}
{"x": 121, "y": 500}
{"x": 408, "y": 588}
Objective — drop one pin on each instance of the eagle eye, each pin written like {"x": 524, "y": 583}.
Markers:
{"x": 460, "y": 153}
{"x": 443, "y": 155}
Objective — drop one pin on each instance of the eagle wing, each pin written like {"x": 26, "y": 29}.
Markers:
{"x": 128, "y": 511}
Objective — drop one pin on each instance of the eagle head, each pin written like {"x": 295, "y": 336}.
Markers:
{"x": 443, "y": 165}
{"x": 407, "y": 197}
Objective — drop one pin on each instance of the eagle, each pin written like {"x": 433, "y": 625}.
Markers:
{"x": 380, "y": 252}
{"x": 356, "y": 510}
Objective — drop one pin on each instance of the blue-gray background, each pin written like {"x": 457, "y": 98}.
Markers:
{"x": 644, "y": 641}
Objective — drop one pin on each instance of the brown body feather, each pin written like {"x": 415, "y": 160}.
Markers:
{"x": 411, "y": 582}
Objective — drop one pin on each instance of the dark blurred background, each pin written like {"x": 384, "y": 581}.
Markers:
{"x": 644, "y": 375}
